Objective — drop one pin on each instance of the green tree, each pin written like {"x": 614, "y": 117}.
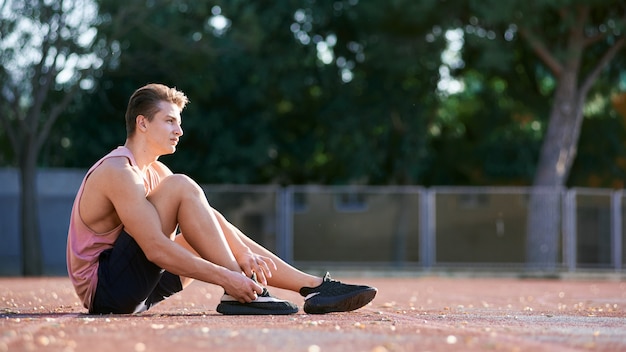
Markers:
{"x": 226, "y": 58}
{"x": 281, "y": 92}
{"x": 484, "y": 135}
{"x": 371, "y": 99}
{"x": 573, "y": 42}
{"x": 46, "y": 58}
{"x": 334, "y": 93}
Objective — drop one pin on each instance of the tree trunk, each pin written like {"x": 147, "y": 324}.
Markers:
{"x": 555, "y": 161}
{"x": 32, "y": 255}
{"x": 542, "y": 239}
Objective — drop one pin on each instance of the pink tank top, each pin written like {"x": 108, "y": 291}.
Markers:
{"x": 84, "y": 245}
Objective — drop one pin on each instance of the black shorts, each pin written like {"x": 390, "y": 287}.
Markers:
{"x": 128, "y": 282}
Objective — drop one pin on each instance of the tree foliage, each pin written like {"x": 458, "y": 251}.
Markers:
{"x": 283, "y": 93}
{"x": 266, "y": 108}
{"x": 332, "y": 92}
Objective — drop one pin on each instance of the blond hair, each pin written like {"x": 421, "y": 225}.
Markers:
{"x": 145, "y": 101}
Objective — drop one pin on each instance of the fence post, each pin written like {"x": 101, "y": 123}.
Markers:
{"x": 569, "y": 230}
{"x": 427, "y": 228}
{"x": 284, "y": 233}
{"x": 616, "y": 229}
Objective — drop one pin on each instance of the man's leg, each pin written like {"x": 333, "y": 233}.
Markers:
{"x": 180, "y": 201}
{"x": 285, "y": 276}
{"x": 322, "y": 295}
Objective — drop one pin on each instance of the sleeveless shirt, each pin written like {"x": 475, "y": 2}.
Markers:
{"x": 84, "y": 245}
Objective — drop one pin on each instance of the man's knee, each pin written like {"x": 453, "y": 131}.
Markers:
{"x": 178, "y": 178}
{"x": 181, "y": 182}
{"x": 174, "y": 189}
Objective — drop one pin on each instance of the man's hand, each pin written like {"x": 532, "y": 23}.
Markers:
{"x": 242, "y": 288}
{"x": 259, "y": 264}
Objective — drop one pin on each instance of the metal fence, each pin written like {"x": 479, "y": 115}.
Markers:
{"x": 423, "y": 227}
{"x": 388, "y": 227}
{"x": 463, "y": 227}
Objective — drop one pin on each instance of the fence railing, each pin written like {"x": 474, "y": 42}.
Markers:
{"x": 431, "y": 227}
{"x": 389, "y": 227}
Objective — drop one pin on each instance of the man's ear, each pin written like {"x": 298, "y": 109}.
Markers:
{"x": 141, "y": 122}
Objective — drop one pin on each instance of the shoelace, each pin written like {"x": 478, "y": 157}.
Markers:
{"x": 334, "y": 287}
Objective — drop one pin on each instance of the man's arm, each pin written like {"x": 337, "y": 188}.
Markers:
{"x": 142, "y": 222}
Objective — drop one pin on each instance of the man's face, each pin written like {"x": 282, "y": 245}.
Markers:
{"x": 164, "y": 131}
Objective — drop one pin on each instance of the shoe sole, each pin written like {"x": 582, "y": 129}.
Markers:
{"x": 236, "y": 308}
{"x": 347, "y": 303}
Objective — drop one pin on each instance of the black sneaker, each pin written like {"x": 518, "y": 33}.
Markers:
{"x": 335, "y": 296}
{"x": 264, "y": 304}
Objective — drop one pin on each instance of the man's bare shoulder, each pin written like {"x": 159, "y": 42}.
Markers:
{"x": 114, "y": 169}
{"x": 115, "y": 177}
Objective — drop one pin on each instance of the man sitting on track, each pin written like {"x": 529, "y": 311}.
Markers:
{"x": 123, "y": 251}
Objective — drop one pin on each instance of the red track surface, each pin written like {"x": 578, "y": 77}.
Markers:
{"x": 408, "y": 314}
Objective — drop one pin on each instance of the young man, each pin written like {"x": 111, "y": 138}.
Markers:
{"x": 123, "y": 251}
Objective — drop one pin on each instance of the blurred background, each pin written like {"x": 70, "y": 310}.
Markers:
{"x": 382, "y": 133}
